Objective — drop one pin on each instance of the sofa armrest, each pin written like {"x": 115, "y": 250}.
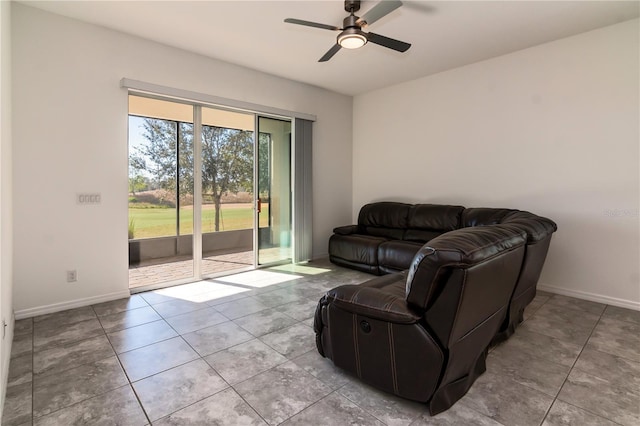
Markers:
{"x": 346, "y": 230}
{"x": 373, "y": 303}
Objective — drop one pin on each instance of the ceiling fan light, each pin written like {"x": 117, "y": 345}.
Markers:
{"x": 352, "y": 41}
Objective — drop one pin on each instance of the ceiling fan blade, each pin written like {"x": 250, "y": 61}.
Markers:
{"x": 378, "y": 11}
{"x": 311, "y": 24}
{"x": 330, "y": 53}
{"x": 391, "y": 43}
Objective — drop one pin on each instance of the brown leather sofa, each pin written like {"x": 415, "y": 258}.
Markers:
{"x": 423, "y": 334}
{"x": 389, "y": 234}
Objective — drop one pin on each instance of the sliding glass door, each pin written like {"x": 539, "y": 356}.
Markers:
{"x": 274, "y": 201}
{"x": 210, "y": 191}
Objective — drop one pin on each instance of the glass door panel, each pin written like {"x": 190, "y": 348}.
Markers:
{"x": 160, "y": 191}
{"x": 227, "y": 191}
{"x": 273, "y": 201}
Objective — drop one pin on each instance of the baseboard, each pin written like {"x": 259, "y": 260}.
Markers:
{"x": 6, "y": 357}
{"x": 77, "y": 303}
{"x": 592, "y": 297}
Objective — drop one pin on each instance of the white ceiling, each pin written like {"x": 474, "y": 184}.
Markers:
{"x": 444, "y": 34}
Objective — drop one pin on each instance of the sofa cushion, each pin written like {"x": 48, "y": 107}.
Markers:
{"x": 384, "y": 219}
{"x": 397, "y": 255}
{"x": 356, "y": 248}
{"x": 427, "y": 221}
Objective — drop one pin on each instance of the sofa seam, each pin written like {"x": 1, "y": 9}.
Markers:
{"x": 394, "y": 373}
{"x": 355, "y": 343}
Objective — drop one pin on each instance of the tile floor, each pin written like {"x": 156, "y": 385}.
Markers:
{"x": 240, "y": 350}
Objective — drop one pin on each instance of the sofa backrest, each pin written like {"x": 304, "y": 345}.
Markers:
{"x": 384, "y": 219}
{"x": 423, "y": 222}
{"x": 537, "y": 227}
{"x": 428, "y": 221}
{"x": 481, "y": 216}
{"x": 465, "y": 276}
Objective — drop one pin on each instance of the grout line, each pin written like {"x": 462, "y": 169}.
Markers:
{"x": 128, "y": 379}
{"x": 573, "y": 366}
{"x": 133, "y": 389}
{"x": 80, "y": 402}
{"x": 592, "y": 413}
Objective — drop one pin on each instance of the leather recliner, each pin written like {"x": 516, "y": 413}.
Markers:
{"x": 539, "y": 231}
{"x": 423, "y": 334}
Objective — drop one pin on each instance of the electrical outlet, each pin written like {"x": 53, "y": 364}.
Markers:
{"x": 72, "y": 276}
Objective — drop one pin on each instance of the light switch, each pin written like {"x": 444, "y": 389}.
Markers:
{"x": 88, "y": 198}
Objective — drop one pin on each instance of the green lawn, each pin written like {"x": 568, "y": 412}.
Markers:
{"x": 161, "y": 222}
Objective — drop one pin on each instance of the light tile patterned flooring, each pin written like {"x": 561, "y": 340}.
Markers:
{"x": 240, "y": 350}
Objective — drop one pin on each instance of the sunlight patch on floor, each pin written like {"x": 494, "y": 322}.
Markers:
{"x": 201, "y": 291}
{"x": 300, "y": 269}
{"x": 258, "y": 279}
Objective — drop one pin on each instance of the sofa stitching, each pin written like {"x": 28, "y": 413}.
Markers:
{"x": 464, "y": 284}
{"x": 355, "y": 344}
{"x": 394, "y": 373}
{"x": 369, "y": 306}
{"x": 354, "y": 296}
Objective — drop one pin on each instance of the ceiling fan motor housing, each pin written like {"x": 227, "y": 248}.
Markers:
{"x": 351, "y": 5}
{"x": 352, "y": 37}
{"x": 350, "y": 22}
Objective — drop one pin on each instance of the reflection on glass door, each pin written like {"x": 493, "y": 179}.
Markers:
{"x": 273, "y": 201}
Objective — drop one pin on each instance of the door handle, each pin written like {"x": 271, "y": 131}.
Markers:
{"x": 259, "y": 205}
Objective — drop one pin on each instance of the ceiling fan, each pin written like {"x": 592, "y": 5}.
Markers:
{"x": 351, "y": 35}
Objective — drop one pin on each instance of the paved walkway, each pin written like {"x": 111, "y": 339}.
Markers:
{"x": 154, "y": 274}
{"x": 177, "y": 269}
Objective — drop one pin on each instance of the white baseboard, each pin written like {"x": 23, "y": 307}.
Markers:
{"x": 77, "y": 303}
{"x": 592, "y": 297}
{"x": 6, "y": 357}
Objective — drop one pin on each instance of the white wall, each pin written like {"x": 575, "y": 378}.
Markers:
{"x": 553, "y": 129}
{"x": 70, "y": 136}
{"x": 6, "y": 277}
